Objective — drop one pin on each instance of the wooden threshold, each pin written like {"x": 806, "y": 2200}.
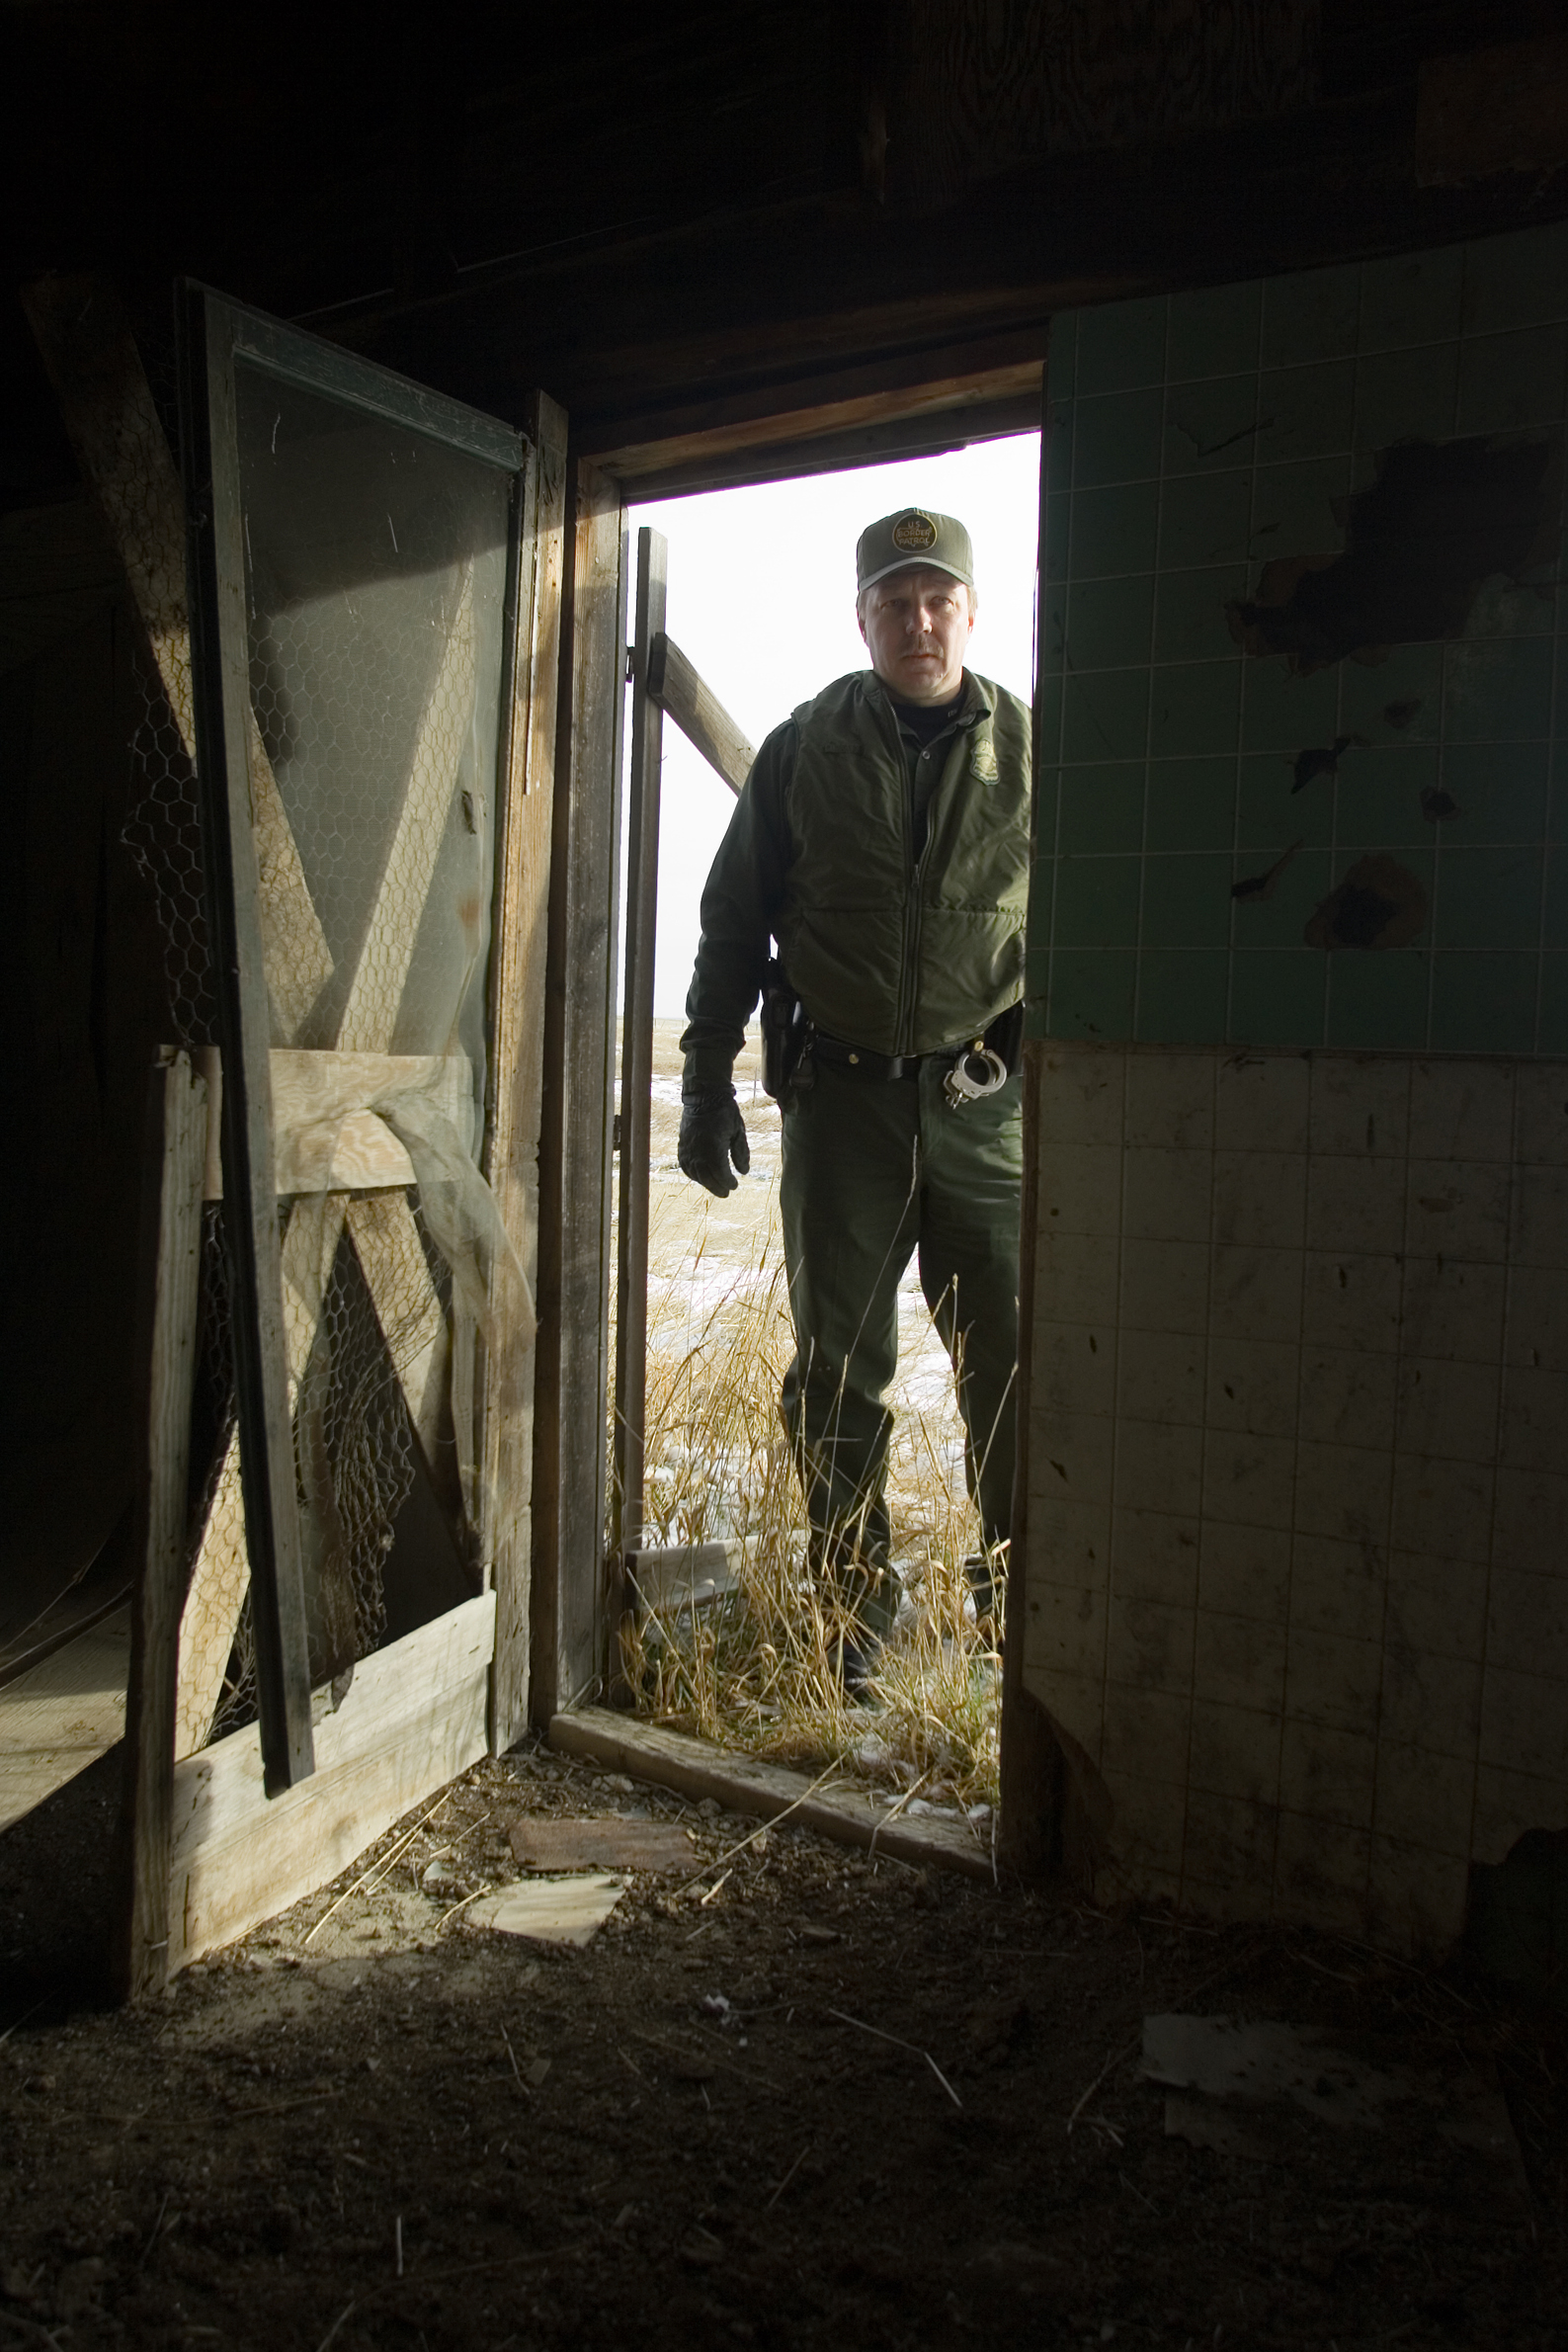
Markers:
{"x": 745, "y": 1785}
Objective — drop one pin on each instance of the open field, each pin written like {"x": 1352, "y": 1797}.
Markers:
{"x": 720, "y": 1340}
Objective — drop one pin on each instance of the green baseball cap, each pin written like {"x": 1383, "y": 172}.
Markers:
{"x": 912, "y": 535}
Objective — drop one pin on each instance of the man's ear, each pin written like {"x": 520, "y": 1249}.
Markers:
{"x": 860, "y": 618}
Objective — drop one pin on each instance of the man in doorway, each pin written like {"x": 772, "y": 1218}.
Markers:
{"x": 882, "y": 840}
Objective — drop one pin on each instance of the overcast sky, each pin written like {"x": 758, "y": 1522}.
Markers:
{"x": 762, "y": 600}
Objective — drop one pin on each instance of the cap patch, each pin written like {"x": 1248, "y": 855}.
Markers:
{"x": 914, "y": 533}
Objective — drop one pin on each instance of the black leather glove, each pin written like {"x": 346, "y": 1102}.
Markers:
{"x": 712, "y": 1134}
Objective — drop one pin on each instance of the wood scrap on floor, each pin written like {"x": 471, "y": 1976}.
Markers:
{"x": 657, "y": 1847}
{"x": 550, "y": 1910}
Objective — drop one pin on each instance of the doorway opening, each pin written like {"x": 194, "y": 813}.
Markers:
{"x": 725, "y": 1631}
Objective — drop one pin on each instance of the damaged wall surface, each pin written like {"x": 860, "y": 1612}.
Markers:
{"x": 1299, "y": 985}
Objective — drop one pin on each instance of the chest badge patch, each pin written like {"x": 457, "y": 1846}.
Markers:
{"x": 983, "y": 761}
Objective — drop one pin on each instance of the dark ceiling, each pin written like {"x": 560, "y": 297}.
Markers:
{"x": 663, "y": 217}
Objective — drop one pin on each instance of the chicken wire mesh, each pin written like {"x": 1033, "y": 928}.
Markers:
{"x": 352, "y": 1425}
{"x": 376, "y": 566}
{"x": 163, "y": 834}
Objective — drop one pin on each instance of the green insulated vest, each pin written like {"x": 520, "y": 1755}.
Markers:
{"x": 885, "y": 953}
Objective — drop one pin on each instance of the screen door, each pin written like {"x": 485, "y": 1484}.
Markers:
{"x": 355, "y": 554}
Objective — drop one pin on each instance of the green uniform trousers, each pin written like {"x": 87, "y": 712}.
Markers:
{"x": 875, "y": 1170}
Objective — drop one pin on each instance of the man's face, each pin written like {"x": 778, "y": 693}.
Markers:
{"x": 916, "y": 624}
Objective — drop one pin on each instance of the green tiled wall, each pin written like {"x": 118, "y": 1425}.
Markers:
{"x": 1190, "y": 439}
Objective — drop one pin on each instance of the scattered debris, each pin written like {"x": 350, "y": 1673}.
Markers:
{"x": 900, "y": 2042}
{"x": 1401, "y": 713}
{"x": 550, "y": 1910}
{"x": 545, "y": 1842}
{"x": 1437, "y": 805}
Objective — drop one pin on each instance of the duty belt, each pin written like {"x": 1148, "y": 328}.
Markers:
{"x": 871, "y": 1065}
{"x": 972, "y": 1070}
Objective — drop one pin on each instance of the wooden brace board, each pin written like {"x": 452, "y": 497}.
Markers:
{"x": 414, "y": 1716}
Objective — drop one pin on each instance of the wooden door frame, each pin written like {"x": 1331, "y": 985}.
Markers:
{"x": 573, "y": 1578}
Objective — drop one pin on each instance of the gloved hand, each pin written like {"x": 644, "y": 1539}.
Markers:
{"x": 712, "y": 1134}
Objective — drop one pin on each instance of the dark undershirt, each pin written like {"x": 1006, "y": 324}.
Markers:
{"x": 926, "y": 720}
{"x": 923, "y": 722}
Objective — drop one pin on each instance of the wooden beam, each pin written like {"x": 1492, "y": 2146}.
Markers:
{"x": 223, "y": 726}
{"x": 412, "y": 1720}
{"x": 375, "y": 993}
{"x": 745, "y": 1785}
{"x": 636, "y": 1055}
{"x": 942, "y": 400}
{"x": 697, "y": 711}
{"x": 575, "y": 1164}
{"x": 518, "y": 982}
{"x": 856, "y": 446}
{"x": 165, "y": 1358}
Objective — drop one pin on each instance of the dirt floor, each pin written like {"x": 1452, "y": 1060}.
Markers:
{"x": 696, "y": 2129}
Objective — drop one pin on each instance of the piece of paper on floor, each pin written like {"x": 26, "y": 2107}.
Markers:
{"x": 1260, "y": 2063}
{"x": 550, "y": 1910}
{"x": 1262, "y": 2060}
{"x": 546, "y": 1842}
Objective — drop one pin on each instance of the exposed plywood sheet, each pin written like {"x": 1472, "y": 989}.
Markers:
{"x": 60, "y": 1715}
{"x": 413, "y": 1719}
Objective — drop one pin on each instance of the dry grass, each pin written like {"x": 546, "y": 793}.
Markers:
{"x": 757, "y": 1670}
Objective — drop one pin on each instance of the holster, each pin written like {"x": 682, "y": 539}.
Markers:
{"x": 786, "y": 1032}
{"x": 1005, "y": 1036}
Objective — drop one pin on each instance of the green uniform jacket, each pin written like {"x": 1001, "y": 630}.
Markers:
{"x": 892, "y": 951}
